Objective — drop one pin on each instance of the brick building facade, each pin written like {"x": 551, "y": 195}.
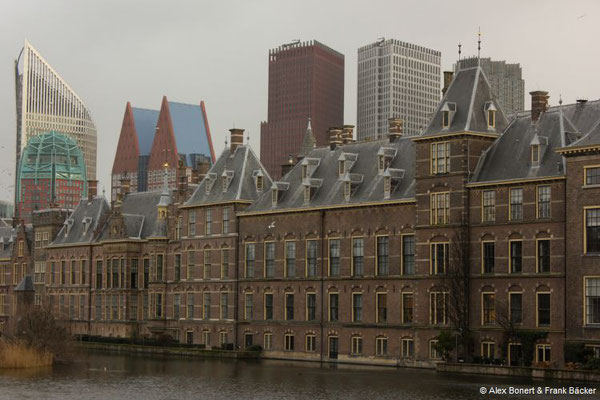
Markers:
{"x": 354, "y": 255}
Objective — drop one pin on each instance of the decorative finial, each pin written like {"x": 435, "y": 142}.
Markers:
{"x": 166, "y": 165}
{"x": 478, "y": 43}
{"x": 103, "y": 191}
{"x": 247, "y": 137}
{"x": 560, "y": 99}
{"x": 226, "y": 142}
{"x": 459, "y": 51}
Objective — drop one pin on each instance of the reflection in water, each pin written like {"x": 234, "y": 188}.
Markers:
{"x": 103, "y": 376}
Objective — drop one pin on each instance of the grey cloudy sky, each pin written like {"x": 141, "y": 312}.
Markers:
{"x": 114, "y": 51}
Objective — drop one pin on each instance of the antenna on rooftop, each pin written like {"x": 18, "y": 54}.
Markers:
{"x": 478, "y": 43}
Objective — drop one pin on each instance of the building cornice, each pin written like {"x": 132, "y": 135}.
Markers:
{"x": 515, "y": 181}
{"x": 214, "y": 203}
{"x": 455, "y": 134}
{"x": 567, "y": 151}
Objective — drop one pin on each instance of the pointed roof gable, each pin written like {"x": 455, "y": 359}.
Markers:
{"x": 241, "y": 169}
{"x": 467, "y": 99}
{"x": 309, "y": 141}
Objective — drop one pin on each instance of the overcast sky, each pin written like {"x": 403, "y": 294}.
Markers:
{"x": 114, "y": 51}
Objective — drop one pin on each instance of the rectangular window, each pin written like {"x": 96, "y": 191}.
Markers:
{"x": 434, "y": 354}
{"x": 488, "y": 308}
{"x": 290, "y": 259}
{"x": 223, "y": 339}
{"x": 146, "y": 272}
{"x": 381, "y": 308}
{"x": 488, "y": 206}
{"x": 268, "y": 341}
{"x": 592, "y": 300}
{"x": 543, "y": 197}
{"x": 592, "y": 175}
{"x": 248, "y": 306}
{"x": 439, "y": 208}
{"x": 224, "y": 305}
{"x": 311, "y": 341}
{"x": 334, "y": 257}
{"x": 488, "y": 350}
{"x": 98, "y": 307}
{"x": 189, "y": 306}
{"x": 176, "y": 305}
{"x": 516, "y": 308}
{"x": 159, "y": 267}
{"x": 63, "y": 273}
{"x": 407, "y": 308}
{"x": 133, "y": 278}
{"x": 357, "y": 343}
{"x": 516, "y": 256}
{"x": 542, "y": 353}
{"x": 289, "y": 306}
{"x": 206, "y": 305}
{"x": 208, "y": 222}
{"x": 437, "y": 311}
{"x": 206, "y": 338}
{"x": 311, "y": 257}
{"x": 440, "y": 158}
{"x": 192, "y": 224}
{"x": 358, "y": 253}
{"x": 543, "y": 309}
{"x": 383, "y": 255}
{"x": 381, "y": 346}
{"x": 333, "y": 307}
{"x": 408, "y": 254}
{"x": 408, "y": 348}
{"x": 440, "y": 257}
{"x": 225, "y": 220}
{"x": 206, "y": 272}
{"x": 356, "y": 307}
{"x": 289, "y": 342}
{"x": 72, "y": 306}
{"x": 592, "y": 230}
{"x": 224, "y": 263}
{"x": 189, "y": 273}
{"x": 311, "y": 306}
{"x": 177, "y": 267}
{"x": 488, "y": 256}
{"x": 543, "y": 256}
{"x": 269, "y": 259}
{"x": 250, "y": 259}
{"x": 516, "y": 204}
{"x": 268, "y": 306}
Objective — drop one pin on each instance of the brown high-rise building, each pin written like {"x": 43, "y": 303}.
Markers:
{"x": 306, "y": 80}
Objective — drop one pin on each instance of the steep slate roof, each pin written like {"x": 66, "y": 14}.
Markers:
{"x": 190, "y": 128}
{"x": 94, "y": 212}
{"x": 26, "y": 285}
{"x": 592, "y": 138}
{"x": 140, "y": 214}
{"x": 8, "y": 236}
{"x": 584, "y": 115}
{"x": 364, "y": 173}
{"x": 145, "y": 126}
{"x": 308, "y": 142}
{"x": 509, "y": 157}
{"x": 469, "y": 92}
{"x": 242, "y": 167}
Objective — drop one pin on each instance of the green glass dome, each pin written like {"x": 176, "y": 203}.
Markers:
{"x": 52, "y": 156}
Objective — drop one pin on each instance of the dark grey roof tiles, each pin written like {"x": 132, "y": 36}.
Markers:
{"x": 466, "y": 99}
{"x": 584, "y": 115}
{"x": 327, "y": 186}
{"x": 26, "y": 285}
{"x": 509, "y": 157}
{"x": 592, "y": 138}
{"x": 8, "y": 236}
{"x": 74, "y": 230}
{"x": 238, "y": 171}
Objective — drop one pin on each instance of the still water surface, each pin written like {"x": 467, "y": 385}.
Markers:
{"x": 105, "y": 376}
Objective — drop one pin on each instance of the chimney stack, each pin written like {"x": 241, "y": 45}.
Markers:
{"x": 539, "y": 103}
{"x": 182, "y": 177}
{"x": 347, "y": 134}
{"x": 395, "y": 129}
{"x": 237, "y": 139}
{"x": 335, "y": 138}
{"x": 448, "y": 75}
{"x": 92, "y": 189}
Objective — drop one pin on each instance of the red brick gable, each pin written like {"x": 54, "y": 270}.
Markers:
{"x": 164, "y": 146}
{"x": 126, "y": 157}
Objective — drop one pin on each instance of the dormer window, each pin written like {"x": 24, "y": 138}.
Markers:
{"x": 347, "y": 190}
{"x": 535, "y": 153}
{"x": 274, "y": 196}
{"x": 387, "y": 186}
{"x": 209, "y": 181}
{"x": 259, "y": 183}
{"x": 68, "y": 225}
{"x": 87, "y": 222}
{"x": 490, "y": 111}
{"x": 224, "y": 183}
{"x": 448, "y": 110}
{"x": 306, "y": 194}
{"x": 341, "y": 167}
{"x": 304, "y": 171}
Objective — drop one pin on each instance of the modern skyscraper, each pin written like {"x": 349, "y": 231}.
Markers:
{"x": 506, "y": 81}
{"x": 396, "y": 80}
{"x": 45, "y": 102}
{"x": 306, "y": 80}
{"x": 51, "y": 173}
{"x": 150, "y": 138}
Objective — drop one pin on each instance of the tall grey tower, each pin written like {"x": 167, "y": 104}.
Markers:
{"x": 396, "y": 80}
{"x": 505, "y": 79}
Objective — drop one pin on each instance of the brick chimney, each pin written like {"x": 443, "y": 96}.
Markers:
{"x": 448, "y": 75}
{"x": 347, "y": 134}
{"x": 92, "y": 189}
{"x": 237, "y": 139}
{"x": 182, "y": 179}
{"x": 395, "y": 129}
{"x": 539, "y": 103}
{"x": 335, "y": 138}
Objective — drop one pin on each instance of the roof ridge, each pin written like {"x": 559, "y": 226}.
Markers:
{"x": 241, "y": 181}
{"x": 472, "y": 102}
